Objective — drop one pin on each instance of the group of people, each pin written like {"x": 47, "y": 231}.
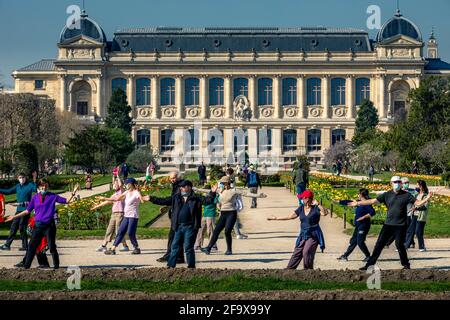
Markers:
{"x": 193, "y": 211}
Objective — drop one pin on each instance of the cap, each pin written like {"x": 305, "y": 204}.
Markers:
{"x": 396, "y": 178}
{"x": 185, "y": 183}
{"x": 131, "y": 180}
{"x": 306, "y": 194}
{"x": 251, "y": 167}
{"x": 225, "y": 179}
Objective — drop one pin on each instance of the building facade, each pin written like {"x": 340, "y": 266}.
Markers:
{"x": 232, "y": 94}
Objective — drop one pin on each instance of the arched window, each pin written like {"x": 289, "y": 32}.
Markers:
{"x": 313, "y": 91}
{"x": 338, "y": 92}
{"x": 314, "y": 140}
{"x": 240, "y": 87}
{"x": 289, "y": 140}
{"x": 167, "y": 92}
{"x": 216, "y": 92}
{"x": 167, "y": 140}
{"x": 265, "y": 91}
{"x": 191, "y": 91}
{"x": 143, "y": 92}
{"x": 362, "y": 86}
{"x": 119, "y": 83}
{"x": 289, "y": 91}
{"x": 337, "y": 135}
{"x": 143, "y": 137}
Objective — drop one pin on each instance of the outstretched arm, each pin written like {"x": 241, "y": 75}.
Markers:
{"x": 17, "y": 216}
{"x": 363, "y": 203}
{"x": 101, "y": 204}
{"x": 292, "y": 216}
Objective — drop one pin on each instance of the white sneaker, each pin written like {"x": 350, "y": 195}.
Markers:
{"x": 125, "y": 249}
{"x": 422, "y": 250}
{"x": 241, "y": 236}
{"x": 101, "y": 249}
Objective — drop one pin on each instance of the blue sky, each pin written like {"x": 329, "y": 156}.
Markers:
{"x": 29, "y": 29}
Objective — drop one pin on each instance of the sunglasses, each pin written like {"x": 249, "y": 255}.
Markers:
{"x": 399, "y": 181}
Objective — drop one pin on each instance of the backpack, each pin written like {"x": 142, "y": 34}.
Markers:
{"x": 252, "y": 180}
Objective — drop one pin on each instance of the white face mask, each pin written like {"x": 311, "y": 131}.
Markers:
{"x": 396, "y": 186}
{"x": 21, "y": 180}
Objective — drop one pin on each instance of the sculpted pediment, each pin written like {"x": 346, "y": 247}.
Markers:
{"x": 401, "y": 41}
{"x": 81, "y": 42}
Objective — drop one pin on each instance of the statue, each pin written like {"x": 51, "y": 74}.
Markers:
{"x": 242, "y": 109}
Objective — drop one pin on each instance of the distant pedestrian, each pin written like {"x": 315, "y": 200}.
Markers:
{"x": 253, "y": 182}
{"x": 148, "y": 174}
{"x": 201, "y": 170}
{"x": 371, "y": 173}
{"x": 338, "y": 168}
{"x": 300, "y": 178}
{"x": 88, "y": 182}
{"x": 208, "y": 223}
{"x": 125, "y": 170}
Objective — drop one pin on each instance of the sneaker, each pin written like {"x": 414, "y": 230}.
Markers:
{"x": 244, "y": 236}
{"x": 110, "y": 252}
{"x": 228, "y": 253}
{"x": 406, "y": 268}
{"x": 366, "y": 259}
{"x": 197, "y": 248}
{"x": 423, "y": 250}
{"x": 43, "y": 266}
{"x": 101, "y": 249}
{"x": 136, "y": 251}
{"x": 206, "y": 250}
{"x": 162, "y": 259}
{"x": 5, "y": 247}
{"x": 240, "y": 237}
{"x": 342, "y": 258}
{"x": 19, "y": 265}
{"x": 125, "y": 249}
{"x": 364, "y": 268}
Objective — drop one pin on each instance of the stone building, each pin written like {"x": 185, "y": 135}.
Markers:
{"x": 286, "y": 91}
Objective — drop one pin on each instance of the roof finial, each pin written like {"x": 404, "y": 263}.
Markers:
{"x": 398, "y": 13}
{"x": 432, "y": 37}
{"x": 83, "y": 12}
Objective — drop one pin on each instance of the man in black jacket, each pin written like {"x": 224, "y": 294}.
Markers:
{"x": 186, "y": 219}
{"x": 175, "y": 180}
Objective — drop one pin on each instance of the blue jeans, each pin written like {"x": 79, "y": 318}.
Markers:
{"x": 300, "y": 188}
{"x": 127, "y": 225}
{"x": 185, "y": 236}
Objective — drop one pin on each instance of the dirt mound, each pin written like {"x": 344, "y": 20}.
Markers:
{"x": 164, "y": 274}
{"x": 265, "y": 295}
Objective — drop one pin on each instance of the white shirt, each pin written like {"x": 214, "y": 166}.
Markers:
{"x": 131, "y": 204}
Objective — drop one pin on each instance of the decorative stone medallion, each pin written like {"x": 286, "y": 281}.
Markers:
{"x": 266, "y": 111}
{"x": 315, "y": 112}
{"x": 168, "y": 111}
{"x": 339, "y": 112}
{"x": 192, "y": 111}
{"x": 290, "y": 112}
{"x": 144, "y": 112}
{"x": 217, "y": 112}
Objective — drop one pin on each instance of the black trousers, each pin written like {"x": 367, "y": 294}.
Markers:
{"x": 21, "y": 226}
{"x": 169, "y": 247}
{"x": 226, "y": 221}
{"x": 417, "y": 228}
{"x": 359, "y": 239}
{"x": 387, "y": 231}
{"x": 39, "y": 232}
{"x": 408, "y": 223}
{"x": 41, "y": 258}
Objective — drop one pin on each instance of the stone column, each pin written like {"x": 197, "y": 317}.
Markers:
{"x": 373, "y": 90}
{"x": 277, "y": 148}
{"x": 155, "y": 97}
{"x": 326, "y": 138}
{"x": 276, "y": 97}
{"x": 252, "y": 95}
{"x": 228, "y": 144}
{"x": 204, "y": 103}
{"x": 179, "y": 95}
{"x": 62, "y": 92}
{"x": 350, "y": 98}
{"x": 99, "y": 95}
{"x": 131, "y": 94}
{"x": 155, "y": 139}
{"x": 302, "y": 146}
{"x": 301, "y": 96}
{"x": 381, "y": 96}
{"x": 252, "y": 144}
{"x": 349, "y": 133}
{"x": 326, "y": 96}
{"x": 228, "y": 96}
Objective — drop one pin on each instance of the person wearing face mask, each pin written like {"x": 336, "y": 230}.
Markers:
{"x": 44, "y": 205}
{"x": 131, "y": 199}
{"x": 362, "y": 226}
{"x": 116, "y": 216}
{"x": 396, "y": 200}
{"x": 186, "y": 219}
{"x": 23, "y": 190}
{"x": 311, "y": 235}
{"x": 228, "y": 213}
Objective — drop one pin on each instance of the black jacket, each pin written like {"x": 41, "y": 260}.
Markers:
{"x": 176, "y": 202}
{"x": 175, "y": 189}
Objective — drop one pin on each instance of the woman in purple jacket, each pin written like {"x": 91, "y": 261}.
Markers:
{"x": 44, "y": 205}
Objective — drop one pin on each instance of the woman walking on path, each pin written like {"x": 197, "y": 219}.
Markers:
{"x": 116, "y": 216}
{"x": 132, "y": 198}
{"x": 418, "y": 218}
{"x": 311, "y": 235}
{"x": 44, "y": 205}
{"x": 228, "y": 213}
{"x": 208, "y": 224}
{"x": 362, "y": 220}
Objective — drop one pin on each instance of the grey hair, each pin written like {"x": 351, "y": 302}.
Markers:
{"x": 176, "y": 173}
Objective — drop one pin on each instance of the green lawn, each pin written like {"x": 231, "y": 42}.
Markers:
{"x": 235, "y": 283}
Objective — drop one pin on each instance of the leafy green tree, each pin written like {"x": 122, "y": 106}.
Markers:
{"x": 25, "y": 157}
{"x": 366, "y": 122}
{"x": 121, "y": 143}
{"x": 139, "y": 158}
{"x": 119, "y": 112}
